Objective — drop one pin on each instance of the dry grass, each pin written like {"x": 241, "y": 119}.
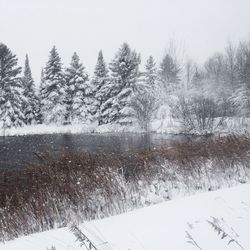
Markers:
{"x": 83, "y": 186}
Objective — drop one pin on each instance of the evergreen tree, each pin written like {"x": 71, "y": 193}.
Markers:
{"x": 124, "y": 75}
{"x": 99, "y": 92}
{"x": 169, "y": 73}
{"x": 52, "y": 91}
{"x": 77, "y": 91}
{"x": 144, "y": 102}
{"x": 197, "y": 77}
{"x": 150, "y": 75}
{"x": 40, "y": 118}
{"x": 11, "y": 89}
{"x": 31, "y": 104}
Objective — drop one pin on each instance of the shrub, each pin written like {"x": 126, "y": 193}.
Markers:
{"x": 144, "y": 106}
{"x": 198, "y": 114}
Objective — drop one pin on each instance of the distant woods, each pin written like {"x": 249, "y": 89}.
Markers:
{"x": 124, "y": 92}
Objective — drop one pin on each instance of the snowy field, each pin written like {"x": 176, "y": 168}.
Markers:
{"x": 167, "y": 125}
{"x": 211, "y": 221}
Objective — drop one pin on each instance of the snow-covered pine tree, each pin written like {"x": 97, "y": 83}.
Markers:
{"x": 99, "y": 90}
{"x": 52, "y": 91}
{"x": 11, "y": 89}
{"x": 144, "y": 103}
{"x": 76, "y": 92}
{"x": 169, "y": 73}
{"x": 150, "y": 75}
{"x": 124, "y": 74}
{"x": 31, "y": 105}
{"x": 40, "y": 118}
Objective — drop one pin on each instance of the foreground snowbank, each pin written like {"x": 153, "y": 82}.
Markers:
{"x": 177, "y": 225}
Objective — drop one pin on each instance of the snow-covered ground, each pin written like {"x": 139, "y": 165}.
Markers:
{"x": 158, "y": 126}
{"x": 167, "y": 125}
{"x": 47, "y": 129}
{"x": 214, "y": 221}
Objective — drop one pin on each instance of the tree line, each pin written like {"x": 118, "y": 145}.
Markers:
{"x": 120, "y": 92}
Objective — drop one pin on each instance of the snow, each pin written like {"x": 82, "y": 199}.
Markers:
{"x": 160, "y": 227}
{"x": 166, "y": 125}
{"x": 48, "y": 129}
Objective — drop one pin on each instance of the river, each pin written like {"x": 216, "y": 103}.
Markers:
{"x": 15, "y": 151}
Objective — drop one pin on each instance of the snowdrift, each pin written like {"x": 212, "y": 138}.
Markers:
{"x": 215, "y": 220}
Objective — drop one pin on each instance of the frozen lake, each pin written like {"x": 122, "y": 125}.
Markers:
{"x": 15, "y": 151}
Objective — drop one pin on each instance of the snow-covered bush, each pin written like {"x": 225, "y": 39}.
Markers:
{"x": 144, "y": 106}
{"x": 198, "y": 114}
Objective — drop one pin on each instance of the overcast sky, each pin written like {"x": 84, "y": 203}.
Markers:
{"x": 86, "y": 26}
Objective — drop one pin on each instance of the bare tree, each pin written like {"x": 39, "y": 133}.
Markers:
{"x": 144, "y": 106}
{"x": 190, "y": 69}
{"x": 198, "y": 114}
{"x": 241, "y": 95}
{"x": 215, "y": 67}
{"x": 243, "y": 62}
{"x": 231, "y": 63}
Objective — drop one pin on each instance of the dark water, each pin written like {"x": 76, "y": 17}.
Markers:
{"x": 15, "y": 151}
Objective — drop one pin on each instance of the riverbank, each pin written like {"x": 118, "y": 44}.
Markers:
{"x": 165, "y": 126}
{"x": 83, "y": 186}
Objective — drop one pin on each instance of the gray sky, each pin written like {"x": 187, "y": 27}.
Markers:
{"x": 86, "y": 26}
